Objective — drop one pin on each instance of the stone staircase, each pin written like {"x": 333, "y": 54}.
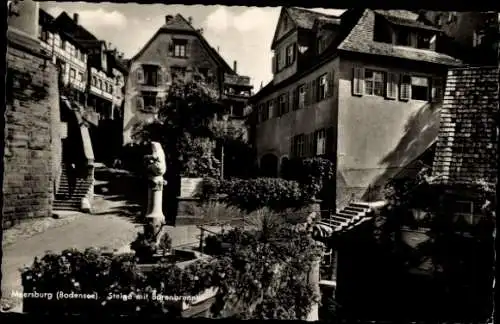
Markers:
{"x": 353, "y": 214}
{"x": 63, "y": 201}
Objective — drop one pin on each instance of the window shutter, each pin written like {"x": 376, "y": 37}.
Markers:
{"x": 171, "y": 49}
{"x": 188, "y": 47}
{"x": 358, "y": 81}
{"x": 405, "y": 88}
{"x": 139, "y": 75}
{"x": 160, "y": 77}
{"x": 139, "y": 103}
{"x": 391, "y": 85}
{"x": 436, "y": 89}
{"x": 307, "y": 98}
{"x": 294, "y": 97}
{"x": 273, "y": 64}
{"x": 314, "y": 92}
{"x": 294, "y": 54}
{"x": 331, "y": 80}
{"x": 287, "y": 102}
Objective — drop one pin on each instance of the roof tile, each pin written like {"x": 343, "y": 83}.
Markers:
{"x": 465, "y": 153}
{"x": 304, "y": 18}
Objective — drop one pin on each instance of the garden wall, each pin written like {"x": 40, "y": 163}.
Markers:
{"x": 32, "y": 143}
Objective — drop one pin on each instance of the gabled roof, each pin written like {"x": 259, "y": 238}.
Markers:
{"x": 178, "y": 24}
{"x": 304, "y": 18}
{"x": 301, "y": 18}
{"x": 44, "y": 18}
{"x": 360, "y": 40}
{"x": 67, "y": 26}
{"x": 406, "y": 18}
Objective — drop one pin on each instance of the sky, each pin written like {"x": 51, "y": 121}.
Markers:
{"x": 242, "y": 34}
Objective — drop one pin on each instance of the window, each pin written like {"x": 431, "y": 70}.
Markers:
{"x": 323, "y": 87}
{"x": 405, "y": 88}
{"x": 302, "y": 96}
{"x": 63, "y": 45}
{"x": 420, "y": 88}
{"x": 57, "y": 41}
{"x": 94, "y": 81}
{"x": 298, "y": 145}
{"x": 477, "y": 38}
{"x": 72, "y": 73}
{"x": 111, "y": 88}
{"x": 464, "y": 211}
{"x": 374, "y": 83}
{"x": 320, "y": 142}
{"x": 403, "y": 38}
{"x": 151, "y": 75}
{"x": 270, "y": 109}
{"x": 77, "y": 53}
{"x": 424, "y": 41}
{"x": 106, "y": 87}
{"x": 392, "y": 86}
{"x": 290, "y": 54}
{"x": 321, "y": 44}
{"x": 283, "y": 104}
{"x": 279, "y": 59}
{"x": 437, "y": 89}
{"x": 180, "y": 48}
{"x": 357, "y": 81}
{"x": 80, "y": 76}
{"x": 44, "y": 36}
{"x": 149, "y": 98}
{"x": 100, "y": 84}
{"x": 263, "y": 112}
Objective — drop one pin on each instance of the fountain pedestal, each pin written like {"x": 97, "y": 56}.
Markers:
{"x": 155, "y": 220}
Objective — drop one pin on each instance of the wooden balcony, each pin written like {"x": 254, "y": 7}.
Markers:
{"x": 236, "y": 80}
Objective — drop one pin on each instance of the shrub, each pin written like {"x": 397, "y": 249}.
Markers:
{"x": 217, "y": 212}
{"x": 248, "y": 276}
{"x": 313, "y": 174}
{"x": 277, "y": 194}
{"x": 209, "y": 188}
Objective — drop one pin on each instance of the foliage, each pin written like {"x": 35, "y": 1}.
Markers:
{"x": 216, "y": 212}
{"x": 277, "y": 194}
{"x": 186, "y": 120}
{"x": 457, "y": 252}
{"x": 209, "y": 188}
{"x": 144, "y": 247}
{"x": 257, "y": 271}
{"x": 313, "y": 174}
{"x": 165, "y": 243}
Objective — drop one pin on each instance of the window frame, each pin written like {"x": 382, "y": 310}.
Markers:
{"x": 282, "y": 102}
{"x": 289, "y": 55}
{"x": 428, "y": 88}
{"x": 374, "y": 82}
{"x": 179, "y": 48}
{"x": 317, "y": 138}
{"x": 301, "y": 89}
{"x": 147, "y": 95}
{"x": 323, "y": 87}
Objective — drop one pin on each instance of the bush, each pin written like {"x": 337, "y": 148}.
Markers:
{"x": 313, "y": 174}
{"x": 209, "y": 188}
{"x": 274, "y": 193}
{"x": 254, "y": 271}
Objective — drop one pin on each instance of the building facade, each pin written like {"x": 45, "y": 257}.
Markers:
{"x": 177, "y": 49}
{"x": 363, "y": 89}
{"x": 472, "y": 36}
{"x": 92, "y": 76}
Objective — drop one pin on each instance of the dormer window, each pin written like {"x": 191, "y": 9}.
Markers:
{"x": 424, "y": 41}
{"x": 403, "y": 38}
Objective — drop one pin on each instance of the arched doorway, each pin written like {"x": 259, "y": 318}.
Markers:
{"x": 269, "y": 166}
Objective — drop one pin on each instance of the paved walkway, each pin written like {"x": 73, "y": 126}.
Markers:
{"x": 111, "y": 227}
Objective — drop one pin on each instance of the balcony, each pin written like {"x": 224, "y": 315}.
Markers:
{"x": 236, "y": 80}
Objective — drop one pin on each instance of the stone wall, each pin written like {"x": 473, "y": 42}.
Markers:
{"x": 32, "y": 142}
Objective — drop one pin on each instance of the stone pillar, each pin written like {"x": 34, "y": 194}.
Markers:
{"x": 154, "y": 215}
{"x": 313, "y": 278}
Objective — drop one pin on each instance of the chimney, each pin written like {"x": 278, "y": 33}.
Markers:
{"x": 235, "y": 66}
{"x": 168, "y": 18}
{"x": 200, "y": 31}
{"x": 218, "y": 49}
{"x": 190, "y": 20}
{"x": 75, "y": 18}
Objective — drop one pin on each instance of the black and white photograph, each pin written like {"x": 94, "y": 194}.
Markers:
{"x": 244, "y": 162}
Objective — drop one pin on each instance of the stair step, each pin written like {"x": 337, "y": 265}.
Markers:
{"x": 355, "y": 209}
{"x": 345, "y": 215}
{"x": 349, "y": 212}
{"x": 360, "y": 205}
{"x": 341, "y": 219}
